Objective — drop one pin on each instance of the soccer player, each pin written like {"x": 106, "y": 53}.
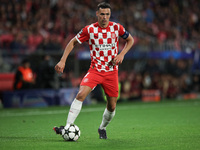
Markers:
{"x": 103, "y": 38}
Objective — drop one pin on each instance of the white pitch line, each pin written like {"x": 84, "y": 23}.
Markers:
{"x": 97, "y": 109}
{"x": 50, "y": 112}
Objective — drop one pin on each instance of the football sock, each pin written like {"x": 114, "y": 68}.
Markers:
{"x": 74, "y": 111}
{"x": 107, "y": 117}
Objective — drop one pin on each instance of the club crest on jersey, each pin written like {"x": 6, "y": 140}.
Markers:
{"x": 113, "y": 36}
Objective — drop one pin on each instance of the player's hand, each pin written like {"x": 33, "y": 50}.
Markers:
{"x": 60, "y": 67}
{"x": 118, "y": 59}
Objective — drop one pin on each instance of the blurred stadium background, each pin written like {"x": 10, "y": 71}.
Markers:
{"x": 164, "y": 62}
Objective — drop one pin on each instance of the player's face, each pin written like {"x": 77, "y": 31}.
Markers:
{"x": 27, "y": 65}
{"x": 103, "y": 16}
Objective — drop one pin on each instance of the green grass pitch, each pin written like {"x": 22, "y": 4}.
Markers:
{"x": 172, "y": 125}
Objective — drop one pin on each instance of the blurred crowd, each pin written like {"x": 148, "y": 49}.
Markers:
{"x": 45, "y": 26}
{"x": 171, "y": 77}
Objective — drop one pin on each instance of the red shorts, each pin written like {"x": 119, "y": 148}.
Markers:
{"x": 108, "y": 81}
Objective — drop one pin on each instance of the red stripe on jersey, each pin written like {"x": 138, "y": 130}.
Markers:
{"x": 99, "y": 30}
{"x": 108, "y": 29}
{"x": 92, "y": 41}
{"x": 96, "y": 35}
{"x": 110, "y": 23}
{"x": 114, "y": 67}
{"x": 99, "y": 66}
{"x": 91, "y": 30}
{"x": 101, "y": 53}
{"x": 94, "y": 53}
{"x": 95, "y": 61}
{"x": 109, "y": 40}
{"x": 100, "y": 41}
{"x": 116, "y": 39}
{"x": 104, "y": 35}
{"x": 115, "y": 27}
{"x": 107, "y": 68}
{"x": 105, "y": 59}
{"x": 90, "y": 46}
{"x": 109, "y": 52}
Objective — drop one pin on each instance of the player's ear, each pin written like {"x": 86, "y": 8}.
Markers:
{"x": 97, "y": 13}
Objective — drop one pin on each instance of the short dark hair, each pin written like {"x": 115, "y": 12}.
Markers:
{"x": 24, "y": 61}
{"x": 103, "y": 5}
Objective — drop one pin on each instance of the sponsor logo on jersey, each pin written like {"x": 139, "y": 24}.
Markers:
{"x": 105, "y": 46}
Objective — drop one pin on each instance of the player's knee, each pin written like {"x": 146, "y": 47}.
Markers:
{"x": 81, "y": 96}
{"x": 111, "y": 108}
{"x": 111, "y": 104}
{"x": 83, "y": 93}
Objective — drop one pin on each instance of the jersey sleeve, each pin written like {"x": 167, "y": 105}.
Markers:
{"x": 122, "y": 32}
{"x": 82, "y": 36}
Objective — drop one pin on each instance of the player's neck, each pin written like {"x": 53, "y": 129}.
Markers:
{"x": 103, "y": 25}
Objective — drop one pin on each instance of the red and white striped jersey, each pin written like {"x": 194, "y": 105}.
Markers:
{"x": 103, "y": 43}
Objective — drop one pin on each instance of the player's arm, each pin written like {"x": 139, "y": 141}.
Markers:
{"x": 61, "y": 64}
{"x": 129, "y": 43}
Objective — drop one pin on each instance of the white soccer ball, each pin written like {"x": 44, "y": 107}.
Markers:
{"x": 71, "y": 133}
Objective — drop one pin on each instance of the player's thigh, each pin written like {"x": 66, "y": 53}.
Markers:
{"x": 83, "y": 92}
{"x": 91, "y": 79}
{"x": 110, "y": 85}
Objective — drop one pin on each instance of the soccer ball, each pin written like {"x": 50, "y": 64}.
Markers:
{"x": 71, "y": 133}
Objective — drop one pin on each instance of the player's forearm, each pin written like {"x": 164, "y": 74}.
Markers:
{"x": 68, "y": 49}
{"x": 128, "y": 45}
